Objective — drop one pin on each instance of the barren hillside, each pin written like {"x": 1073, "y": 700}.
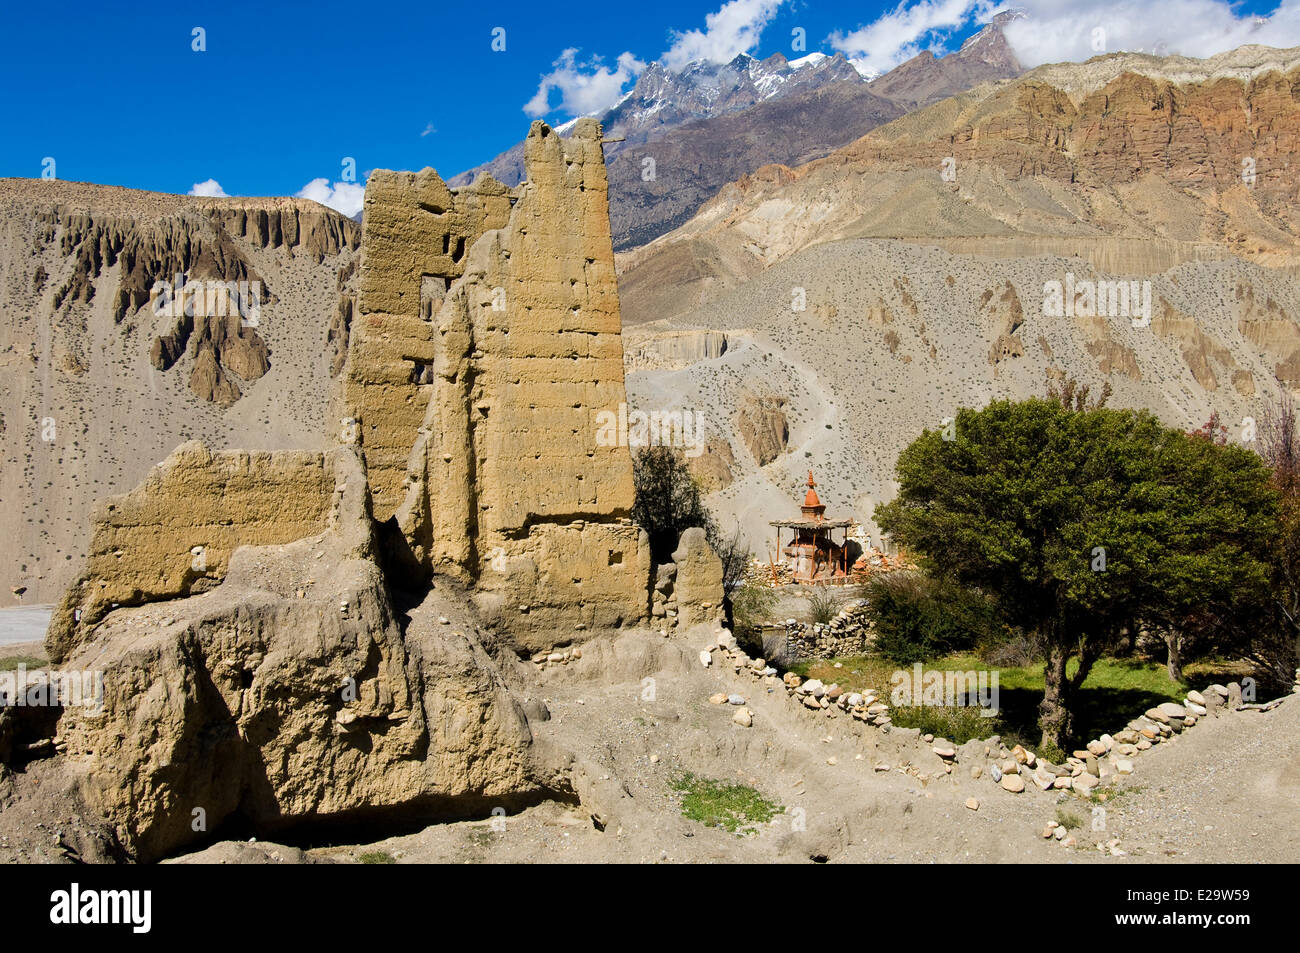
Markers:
{"x": 1134, "y": 161}
{"x": 100, "y": 381}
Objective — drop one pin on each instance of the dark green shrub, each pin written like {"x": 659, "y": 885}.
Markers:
{"x": 668, "y": 500}
{"x": 918, "y": 618}
{"x": 752, "y": 604}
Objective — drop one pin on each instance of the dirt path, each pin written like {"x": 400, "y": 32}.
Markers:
{"x": 1227, "y": 791}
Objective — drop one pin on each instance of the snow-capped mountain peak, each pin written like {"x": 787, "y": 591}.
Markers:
{"x": 703, "y": 89}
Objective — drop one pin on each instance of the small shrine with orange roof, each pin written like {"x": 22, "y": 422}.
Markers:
{"x": 811, "y": 551}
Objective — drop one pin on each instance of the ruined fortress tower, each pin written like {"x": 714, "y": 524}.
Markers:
{"x": 488, "y": 339}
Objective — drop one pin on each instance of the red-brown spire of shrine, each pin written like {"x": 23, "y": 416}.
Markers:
{"x": 813, "y": 508}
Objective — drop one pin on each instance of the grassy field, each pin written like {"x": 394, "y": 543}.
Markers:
{"x": 1116, "y": 691}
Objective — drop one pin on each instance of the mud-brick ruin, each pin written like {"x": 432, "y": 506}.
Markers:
{"x": 491, "y": 357}
{"x": 298, "y": 636}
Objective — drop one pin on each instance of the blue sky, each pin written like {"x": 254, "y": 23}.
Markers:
{"x": 283, "y": 93}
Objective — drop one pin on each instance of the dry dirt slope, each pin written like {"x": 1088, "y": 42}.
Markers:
{"x": 90, "y": 398}
{"x": 897, "y": 336}
{"x": 633, "y": 714}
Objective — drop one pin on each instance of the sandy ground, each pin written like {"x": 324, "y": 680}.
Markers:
{"x": 1227, "y": 790}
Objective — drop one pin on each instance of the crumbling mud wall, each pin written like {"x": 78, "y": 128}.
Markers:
{"x": 697, "y": 583}
{"x": 174, "y": 533}
{"x": 292, "y": 695}
{"x": 486, "y": 345}
{"x": 416, "y": 236}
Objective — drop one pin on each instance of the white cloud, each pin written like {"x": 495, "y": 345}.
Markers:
{"x": 899, "y": 35}
{"x": 733, "y": 29}
{"x": 345, "y": 197}
{"x": 428, "y": 130}
{"x": 590, "y": 87}
{"x": 585, "y": 88}
{"x": 1052, "y": 32}
{"x": 210, "y": 189}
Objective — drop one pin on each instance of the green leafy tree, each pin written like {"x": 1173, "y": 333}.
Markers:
{"x": 1081, "y": 521}
{"x": 1208, "y": 595}
{"x": 668, "y": 500}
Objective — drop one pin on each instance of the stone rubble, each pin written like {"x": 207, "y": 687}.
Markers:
{"x": 560, "y": 655}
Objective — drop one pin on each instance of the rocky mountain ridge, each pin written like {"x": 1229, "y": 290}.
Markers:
{"x": 662, "y": 99}
{"x": 686, "y": 133}
{"x": 1113, "y": 163}
{"x": 926, "y": 79}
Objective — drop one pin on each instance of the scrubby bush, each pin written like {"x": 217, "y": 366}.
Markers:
{"x": 823, "y": 604}
{"x": 918, "y": 618}
{"x": 1008, "y": 649}
{"x": 668, "y": 501}
{"x": 752, "y": 604}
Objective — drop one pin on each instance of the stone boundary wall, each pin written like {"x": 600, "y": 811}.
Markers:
{"x": 1099, "y": 763}
{"x": 851, "y": 632}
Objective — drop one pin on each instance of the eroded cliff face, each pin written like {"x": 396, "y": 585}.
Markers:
{"x": 1228, "y": 134}
{"x": 197, "y": 246}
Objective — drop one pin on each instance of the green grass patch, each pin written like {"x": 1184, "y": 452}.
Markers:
{"x": 959, "y": 724}
{"x": 1112, "y": 794}
{"x": 377, "y": 857}
{"x": 1116, "y": 691}
{"x": 1068, "y": 819}
{"x": 11, "y": 663}
{"x": 736, "y": 808}
{"x": 1049, "y": 750}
